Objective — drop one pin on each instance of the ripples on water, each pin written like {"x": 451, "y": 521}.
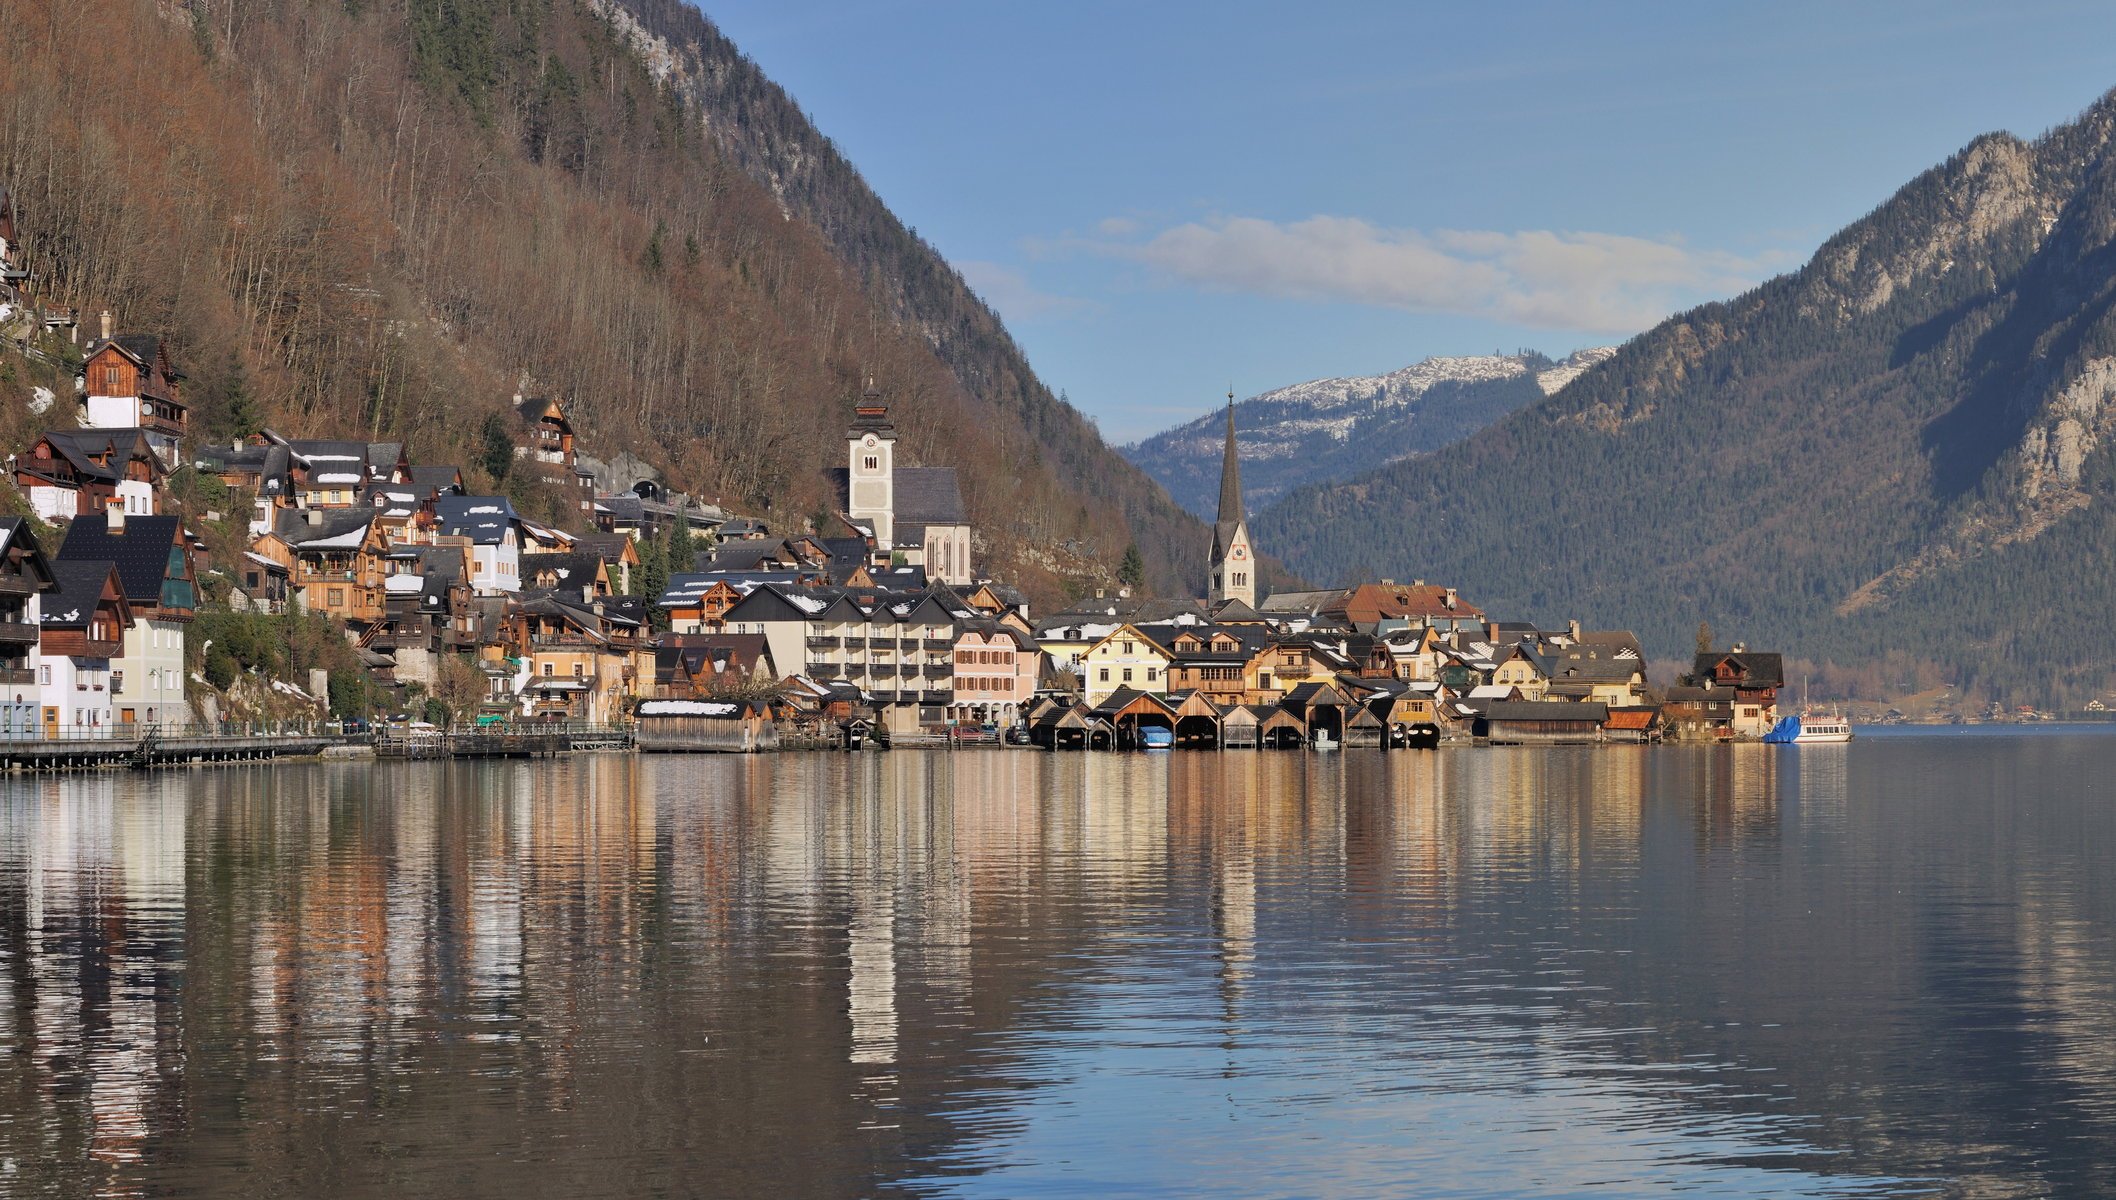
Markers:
{"x": 1744, "y": 971}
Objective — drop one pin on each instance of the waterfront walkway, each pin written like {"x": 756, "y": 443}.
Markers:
{"x": 156, "y": 746}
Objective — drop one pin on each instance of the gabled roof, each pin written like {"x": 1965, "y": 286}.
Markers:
{"x": 1757, "y": 669}
{"x": 540, "y": 408}
{"x": 81, "y": 583}
{"x": 15, "y": 535}
{"x": 324, "y": 528}
{"x": 140, "y": 551}
{"x": 568, "y": 568}
{"x": 485, "y": 520}
{"x": 928, "y": 496}
{"x": 141, "y": 348}
{"x": 79, "y": 447}
{"x": 445, "y": 480}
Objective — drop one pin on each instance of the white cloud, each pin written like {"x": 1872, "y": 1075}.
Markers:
{"x": 1592, "y": 282}
{"x": 1010, "y": 292}
{"x": 1117, "y": 227}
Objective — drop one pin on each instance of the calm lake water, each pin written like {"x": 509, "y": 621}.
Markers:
{"x": 1881, "y": 969}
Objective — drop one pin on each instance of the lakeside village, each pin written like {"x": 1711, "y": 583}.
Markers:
{"x": 467, "y": 618}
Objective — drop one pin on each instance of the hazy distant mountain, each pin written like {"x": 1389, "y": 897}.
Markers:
{"x": 1900, "y": 457}
{"x": 1329, "y": 430}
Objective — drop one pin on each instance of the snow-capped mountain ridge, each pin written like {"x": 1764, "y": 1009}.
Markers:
{"x": 1329, "y": 430}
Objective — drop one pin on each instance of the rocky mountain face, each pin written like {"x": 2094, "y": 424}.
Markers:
{"x": 1897, "y": 459}
{"x": 1332, "y": 430}
{"x": 763, "y": 131}
{"x": 600, "y": 200}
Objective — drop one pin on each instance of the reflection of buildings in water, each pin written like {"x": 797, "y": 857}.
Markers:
{"x": 102, "y": 910}
{"x": 1122, "y": 823}
{"x": 1737, "y": 792}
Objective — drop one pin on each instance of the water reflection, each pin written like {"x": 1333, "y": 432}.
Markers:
{"x": 1744, "y": 970}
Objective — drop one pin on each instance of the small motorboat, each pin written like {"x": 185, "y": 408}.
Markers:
{"x": 1153, "y": 737}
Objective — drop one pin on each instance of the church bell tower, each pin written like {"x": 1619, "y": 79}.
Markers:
{"x": 1233, "y": 557}
{"x": 870, "y": 489}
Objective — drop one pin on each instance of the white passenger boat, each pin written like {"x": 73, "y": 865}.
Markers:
{"x": 1809, "y": 728}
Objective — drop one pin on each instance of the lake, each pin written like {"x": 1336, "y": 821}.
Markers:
{"x": 1876, "y": 969}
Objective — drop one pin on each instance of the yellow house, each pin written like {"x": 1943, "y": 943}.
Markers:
{"x": 1517, "y": 669}
{"x": 1280, "y": 668}
{"x": 1124, "y": 659}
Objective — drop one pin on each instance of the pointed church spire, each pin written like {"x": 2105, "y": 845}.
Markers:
{"x": 1230, "y": 473}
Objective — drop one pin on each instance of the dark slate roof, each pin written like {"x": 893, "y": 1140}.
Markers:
{"x": 141, "y": 552}
{"x": 483, "y": 519}
{"x": 609, "y": 546}
{"x": 80, "y": 582}
{"x": 295, "y": 527}
{"x": 78, "y": 446}
{"x": 928, "y": 496}
{"x": 744, "y": 556}
{"x": 440, "y": 479}
{"x": 738, "y": 527}
{"x": 908, "y": 579}
{"x": 623, "y": 507}
{"x": 569, "y": 568}
{"x": 1759, "y": 669}
{"x": 14, "y": 531}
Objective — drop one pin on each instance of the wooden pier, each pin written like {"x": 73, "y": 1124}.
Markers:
{"x": 164, "y": 748}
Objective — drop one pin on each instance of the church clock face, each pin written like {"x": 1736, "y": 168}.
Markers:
{"x": 868, "y": 441}
{"x": 1241, "y": 552}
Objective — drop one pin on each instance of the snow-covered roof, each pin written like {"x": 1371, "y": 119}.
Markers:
{"x": 688, "y": 708}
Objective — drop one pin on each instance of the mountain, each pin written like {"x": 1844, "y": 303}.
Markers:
{"x": 761, "y": 129}
{"x": 1896, "y": 462}
{"x": 1330, "y": 430}
{"x": 380, "y": 220}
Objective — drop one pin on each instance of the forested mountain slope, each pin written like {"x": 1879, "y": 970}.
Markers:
{"x": 1899, "y": 454}
{"x": 379, "y": 219}
{"x": 763, "y": 130}
{"x": 1331, "y": 430}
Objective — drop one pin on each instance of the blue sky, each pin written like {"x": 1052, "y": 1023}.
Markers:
{"x": 1163, "y": 199}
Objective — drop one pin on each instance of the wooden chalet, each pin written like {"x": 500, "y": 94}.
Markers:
{"x": 75, "y": 472}
{"x": 129, "y": 383}
{"x": 544, "y": 436}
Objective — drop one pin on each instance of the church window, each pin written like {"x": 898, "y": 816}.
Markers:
{"x": 871, "y": 463}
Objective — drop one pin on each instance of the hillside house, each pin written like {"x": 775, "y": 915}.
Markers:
{"x": 81, "y": 632}
{"x": 25, "y": 576}
{"x": 337, "y": 561}
{"x": 74, "y": 472}
{"x": 544, "y": 437}
{"x": 127, "y": 382}
{"x": 489, "y": 526}
{"x": 14, "y": 267}
{"x": 156, "y": 567}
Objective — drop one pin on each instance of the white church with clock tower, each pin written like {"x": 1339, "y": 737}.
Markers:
{"x": 913, "y": 511}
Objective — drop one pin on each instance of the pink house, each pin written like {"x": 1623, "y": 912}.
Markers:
{"x": 995, "y": 674}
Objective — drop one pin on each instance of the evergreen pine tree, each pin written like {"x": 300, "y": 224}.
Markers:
{"x": 496, "y": 453}
{"x": 1132, "y": 571}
